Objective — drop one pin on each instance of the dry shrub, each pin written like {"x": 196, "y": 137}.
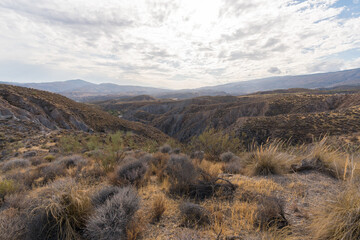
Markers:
{"x": 181, "y": 174}
{"x": 158, "y": 208}
{"x": 194, "y": 215}
{"x": 158, "y": 164}
{"x": 338, "y": 218}
{"x": 266, "y": 160}
{"x": 233, "y": 167}
{"x": 166, "y": 148}
{"x": 15, "y": 163}
{"x": 212, "y": 169}
{"x": 270, "y": 213}
{"x": 59, "y": 212}
{"x": 197, "y": 155}
{"x": 71, "y": 161}
{"x": 227, "y": 156}
{"x": 12, "y": 224}
{"x": 104, "y": 194}
{"x": 132, "y": 173}
{"x": 111, "y": 219}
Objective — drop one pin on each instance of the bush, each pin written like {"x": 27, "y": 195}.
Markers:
{"x": 12, "y": 225}
{"x": 166, "y": 148}
{"x": 132, "y": 172}
{"x": 49, "y": 158}
{"x": 197, "y": 155}
{"x": 194, "y": 215}
{"x": 266, "y": 160}
{"x": 104, "y": 194}
{"x": 227, "y": 157}
{"x": 15, "y": 163}
{"x": 214, "y": 142}
{"x": 71, "y": 161}
{"x": 7, "y": 187}
{"x": 339, "y": 218}
{"x": 110, "y": 220}
{"x": 270, "y": 213}
{"x": 59, "y": 212}
{"x": 181, "y": 173}
{"x": 233, "y": 167}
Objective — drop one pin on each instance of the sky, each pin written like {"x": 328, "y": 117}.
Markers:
{"x": 175, "y": 44}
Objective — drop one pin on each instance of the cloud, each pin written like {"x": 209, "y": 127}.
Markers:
{"x": 179, "y": 44}
{"x": 274, "y": 70}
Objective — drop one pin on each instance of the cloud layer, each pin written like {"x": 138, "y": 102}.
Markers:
{"x": 175, "y": 44}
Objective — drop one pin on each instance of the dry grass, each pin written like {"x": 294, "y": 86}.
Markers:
{"x": 338, "y": 218}
{"x": 266, "y": 160}
{"x": 158, "y": 208}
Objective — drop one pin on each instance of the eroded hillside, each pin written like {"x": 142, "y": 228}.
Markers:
{"x": 297, "y": 115}
{"x": 25, "y": 111}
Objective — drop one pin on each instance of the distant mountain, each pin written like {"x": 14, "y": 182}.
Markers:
{"x": 312, "y": 81}
{"x": 81, "y": 90}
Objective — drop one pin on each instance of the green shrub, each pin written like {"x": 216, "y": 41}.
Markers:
{"x": 7, "y": 187}
{"x": 214, "y": 143}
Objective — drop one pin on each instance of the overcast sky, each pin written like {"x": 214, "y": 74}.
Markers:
{"x": 175, "y": 44}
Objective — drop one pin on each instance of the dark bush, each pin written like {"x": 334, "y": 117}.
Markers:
{"x": 12, "y": 224}
{"x": 233, "y": 167}
{"x": 15, "y": 163}
{"x": 176, "y": 151}
{"x": 104, "y": 194}
{"x": 227, "y": 157}
{"x": 270, "y": 213}
{"x": 194, "y": 215}
{"x": 110, "y": 220}
{"x": 129, "y": 173}
{"x": 181, "y": 172}
{"x": 166, "y": 148}
{"x": 197, "y": 155}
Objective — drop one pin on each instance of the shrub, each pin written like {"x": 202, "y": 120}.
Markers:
{"x": 15, "y": 163}
{"x": 266, "y": 160}
{"x": 110, "y": 220}
{"x": 270, "y": 213}
{"x": 339, "y": 218}
{"x": 49, "y": 158}
{"x": 7, "y": 187}
{"x": 233, "y": 167}
{"x": 12, "y": 225}
{"x": 227, "y": 157}
{"x": 214, "y": 142}
{"x": 158, "y": 208}
{"x": 166, "y": 148}
{"x": 70, "y": 144}
{"x": 158, "y": 164}
{"x": 197, "y": 155}
{"x": 48, "y": 172}
{"x": 181, "y": 172}
{"x": 176, "y": 151}
{"x": 60, "y": 212}
{"x": 194, "y": 215}
{"x": 104, "y": 194}
{"x": 71, "y": 161}
{"x": 132, "y": 172}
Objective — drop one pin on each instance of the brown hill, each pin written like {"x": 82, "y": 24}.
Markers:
{"x": 299, "y": 115}
{"x": 28, "y": 111}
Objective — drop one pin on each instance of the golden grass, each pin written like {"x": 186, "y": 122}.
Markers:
{"x": 338, "y": 218}
{"x": 266, "y": 160}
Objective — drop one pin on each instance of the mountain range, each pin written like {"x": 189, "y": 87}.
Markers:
{"x": 81, "y": 90}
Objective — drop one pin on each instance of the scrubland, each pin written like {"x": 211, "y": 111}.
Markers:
{"x": 111, "y": 186}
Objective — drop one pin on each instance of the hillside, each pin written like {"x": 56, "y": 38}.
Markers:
{"x": 25, "y": 110}
{"x": 296, "y": 114}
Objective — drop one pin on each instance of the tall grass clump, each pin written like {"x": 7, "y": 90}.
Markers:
{"x": 60, "y": 211}
{"x": 266, "y": 160}
{"x": 339, "y": 218}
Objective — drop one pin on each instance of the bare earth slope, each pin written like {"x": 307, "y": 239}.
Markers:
{"x": 23, "y": 110}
